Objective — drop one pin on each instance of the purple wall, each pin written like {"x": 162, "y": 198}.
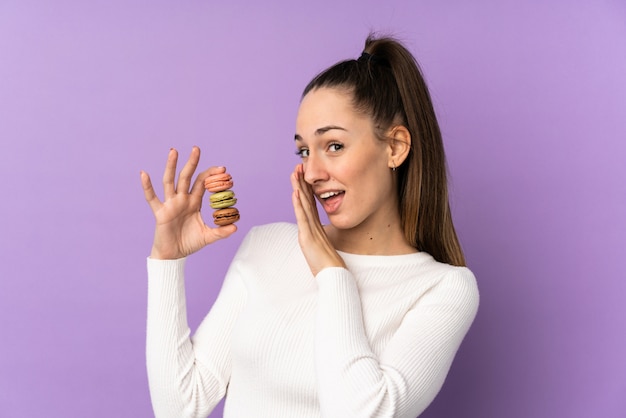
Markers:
{"x": 532, "y": 102}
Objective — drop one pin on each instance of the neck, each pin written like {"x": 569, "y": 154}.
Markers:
{"x": 380, "y": 239}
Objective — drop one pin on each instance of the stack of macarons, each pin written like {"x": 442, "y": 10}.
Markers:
{"x": 222, "y": 199}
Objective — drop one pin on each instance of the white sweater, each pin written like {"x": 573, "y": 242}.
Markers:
{"x": 374, "y": 340}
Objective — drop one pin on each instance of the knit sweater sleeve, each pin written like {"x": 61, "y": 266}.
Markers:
{"x": 188, "y": 376}
{"x": 404, "y": 379}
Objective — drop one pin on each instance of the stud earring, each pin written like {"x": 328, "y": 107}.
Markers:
{"x": 394, "y": 166}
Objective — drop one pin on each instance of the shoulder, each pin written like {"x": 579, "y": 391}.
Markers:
{"x": 272, "y": 237}
{"x": 456, "y": 285}
{"x": 448, "y": 272}
{"x": 271, "y": 251}
{"x": 463, "y": 279}
{"x": 457, "y": 274}
{"x": 274, "y": 233}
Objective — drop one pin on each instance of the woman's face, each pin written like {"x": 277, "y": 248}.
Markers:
{"x": 346, "y": 165}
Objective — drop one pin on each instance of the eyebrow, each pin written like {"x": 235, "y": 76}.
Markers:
{"x": 322, "y": 131}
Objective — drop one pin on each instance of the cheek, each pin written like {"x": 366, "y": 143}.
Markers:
{"x": 370, "y": 163}
{"x": 371, "y": 180}
{"x": 353, "y": 175}
{"x": 365, "y": 169}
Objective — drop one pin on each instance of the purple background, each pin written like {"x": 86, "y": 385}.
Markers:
{"x": 532, "y": 101}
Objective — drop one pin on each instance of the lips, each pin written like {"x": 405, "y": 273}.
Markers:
{"x": 326, "y": 195}
{"x": 331, "y": 200}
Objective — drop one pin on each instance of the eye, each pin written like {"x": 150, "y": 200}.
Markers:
{"x": 302, "y": 152}
{"x": 335, "y": 147}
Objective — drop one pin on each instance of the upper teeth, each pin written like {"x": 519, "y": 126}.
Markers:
{"x": 328, "y": 194}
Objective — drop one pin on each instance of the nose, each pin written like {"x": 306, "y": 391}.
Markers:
{"x": 314, "y": 169}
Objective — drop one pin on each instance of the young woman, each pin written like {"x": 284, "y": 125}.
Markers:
{"x": 358, "y": 318}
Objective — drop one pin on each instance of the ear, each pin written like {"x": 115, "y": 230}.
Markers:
{"x": 399, "y": 145}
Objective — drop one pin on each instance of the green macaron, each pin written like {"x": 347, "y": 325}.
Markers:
{"x": 223, "y": 199}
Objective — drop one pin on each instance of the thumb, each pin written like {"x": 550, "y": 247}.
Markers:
{"x": 221, "y": 232}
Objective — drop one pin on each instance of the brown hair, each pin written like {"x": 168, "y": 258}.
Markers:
{"x": 387, "y": 84}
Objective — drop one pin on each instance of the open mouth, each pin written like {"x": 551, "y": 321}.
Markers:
{"x": 331, "y": 200}
{"x": 328, "y": 195}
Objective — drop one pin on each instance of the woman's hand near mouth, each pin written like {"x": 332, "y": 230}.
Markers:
{"x": 316, "y": 247}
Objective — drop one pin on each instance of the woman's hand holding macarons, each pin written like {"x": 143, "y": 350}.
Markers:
{"x": 180, "y": 229}
{"x": 317, "y": 248}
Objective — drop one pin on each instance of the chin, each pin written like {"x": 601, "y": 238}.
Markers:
{"x": 340, "y": 222}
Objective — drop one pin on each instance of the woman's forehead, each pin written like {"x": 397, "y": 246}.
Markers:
{"x": 327, "y": 107}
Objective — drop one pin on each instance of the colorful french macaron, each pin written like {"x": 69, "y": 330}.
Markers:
{"x": 218, "y": 182}
{"x": 223, "y": 199}
{"x": 225, "y": 216}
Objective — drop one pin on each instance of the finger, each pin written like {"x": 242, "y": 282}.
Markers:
{"x": 295, "y": 198}
{"x": 215, "y": 170}
{"x": 299, "y": 195}
{"x": 199, "y": 185}
{"x": 184, "y": 178}
{"x": 148, "y": 191}
{"x": 169, "y": 175}
{"x": 214, "y": 234}
{"x": 307, "y": 198}
{"x": 222, "y": 232}
{"x": 308, "y": 189}
{"x": 303, "y": 185}
{"x": 302, "y": 218}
